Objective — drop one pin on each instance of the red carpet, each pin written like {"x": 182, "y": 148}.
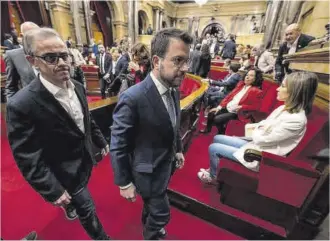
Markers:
{"x": 23, "y": 210}
{"x": 197, "y": 157}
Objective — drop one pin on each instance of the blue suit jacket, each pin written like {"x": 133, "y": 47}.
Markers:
{"x": 143, "y": 140}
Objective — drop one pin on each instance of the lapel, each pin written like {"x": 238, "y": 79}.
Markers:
{"x": 156, "y": 101}
{"x": 45, "y": 99}
{"x": 246, "y": 95}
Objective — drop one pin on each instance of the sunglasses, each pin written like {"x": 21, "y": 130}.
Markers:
{"x": 53, "y": 58}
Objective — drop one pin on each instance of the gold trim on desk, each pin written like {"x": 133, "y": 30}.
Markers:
{"x": 320, "y": 67}
{"x": 190, "y": 99}
{"x": 184, "y": 103}
{"x": 219, "y": 68}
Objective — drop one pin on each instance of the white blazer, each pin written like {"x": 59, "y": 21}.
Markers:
{"x": 279, "y": 134}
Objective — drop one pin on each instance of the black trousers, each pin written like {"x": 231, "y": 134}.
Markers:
{"x": 85, "y": 208}
{"x": 219, "y": 120}
{"x": 103, "y": 85}
{"x": 155, "y": 215}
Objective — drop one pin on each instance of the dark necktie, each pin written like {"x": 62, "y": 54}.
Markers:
{"x": 170, "y": 107}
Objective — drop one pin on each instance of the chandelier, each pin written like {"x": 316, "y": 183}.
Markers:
{"x": 201, "y": 2}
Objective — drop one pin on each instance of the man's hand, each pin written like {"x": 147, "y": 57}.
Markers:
{"x": 107, "y": 75}
{"x": 65, "y": 199}
{"x": 105, "y": 151}
{"x": 215, "y": 110}
{"x": 180, "y": 160}
{"x": 129, "y": 193}
{"x": 206, "y": 80}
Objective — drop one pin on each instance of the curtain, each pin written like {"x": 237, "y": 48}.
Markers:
{"x": 103, "y": 15}
{"x": 5, "y": 19}
{"x": 30, "y": 11}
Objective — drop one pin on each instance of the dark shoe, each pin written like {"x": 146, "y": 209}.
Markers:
{"x": 31, "y": 236}
{"x": 162, "y": 233}
{"x": 204, "y": 131}
{"x": 70, "y": 212}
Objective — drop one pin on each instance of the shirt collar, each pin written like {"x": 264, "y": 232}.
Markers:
{"x": 162, "y": 89}
{"x": 55, "y": 90}
{"x": 295, "y": 43}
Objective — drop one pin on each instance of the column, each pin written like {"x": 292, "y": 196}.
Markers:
{"x": 161, "y": 17}
{"x": 76, "y": 20}
{"x": 233, "y": 24}
{"x": 88, "y": 20}
{"x": 131, "y": 19}
{"x": 157, "y": 19}
{"x": 271, "y": 21}
{"x": 174, "y": 20}
{"x": 190, "y": 24}
{"x": 136, "y": 22}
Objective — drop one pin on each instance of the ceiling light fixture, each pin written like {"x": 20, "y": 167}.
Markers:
{"x": 201, "y": 2}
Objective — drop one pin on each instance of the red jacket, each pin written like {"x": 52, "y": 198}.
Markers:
{"x": 250, "y": 101}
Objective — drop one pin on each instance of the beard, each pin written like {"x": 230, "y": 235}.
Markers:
{"x": 171, "y": 80}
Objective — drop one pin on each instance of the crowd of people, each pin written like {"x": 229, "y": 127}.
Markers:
{"x": 50, "y": 113}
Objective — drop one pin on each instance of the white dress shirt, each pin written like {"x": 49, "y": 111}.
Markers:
{"x": 279, "y": 134}
{"x": 293, "y": 47}
{"x": 68, "y": 100}
{"x": 102, "y": 57}
{"x": 232, "y": 105}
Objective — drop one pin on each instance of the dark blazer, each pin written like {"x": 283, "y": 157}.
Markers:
{"x": 8, "y": 44}
{"x": 52, "y": 153}
{"x": 229, "y": 50}
{"x": 194, "y": 61}
{"x": 229, "y": 82}
{"x": 250, "y": 101}
{"x": 19, "y": 71}
{"x": 281, "y": 68}
{"x": 143, "y": 140}
{"x": 204, "y": 66}
{"x": 122, "y": 65}
{"x": 107, "y": 63}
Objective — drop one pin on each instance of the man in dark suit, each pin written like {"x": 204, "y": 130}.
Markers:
{"x": 195, "y": 56}
{"x": 8, "y": 42}
{"x": 294, "y": 40}
{"x": 229, "y": 49}
{"x": 145, "y": 141}
{"x": 51, "y": 131}
{"x": 19, "y": 71}
{"x": 104, "y": 61}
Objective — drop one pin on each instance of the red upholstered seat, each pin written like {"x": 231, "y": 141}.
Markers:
{"x": 217, "y": 73}
{"x": 268, "y": 104}
{"x": 188, "y": 86}
{"x": 285, "y": 179}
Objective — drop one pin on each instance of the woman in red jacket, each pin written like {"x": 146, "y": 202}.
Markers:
{"x": 246, "y": 96}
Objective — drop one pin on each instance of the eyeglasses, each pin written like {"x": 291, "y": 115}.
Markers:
{"x": 179, "y": 62}
{"x": 53, "y": 58}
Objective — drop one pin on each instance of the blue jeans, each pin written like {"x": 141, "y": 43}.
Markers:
{"x": 223, "y": 146}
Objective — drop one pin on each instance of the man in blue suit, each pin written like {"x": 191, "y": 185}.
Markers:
{"x": 145, "y": 141}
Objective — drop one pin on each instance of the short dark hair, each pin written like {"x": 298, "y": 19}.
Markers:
{"x": 234, "y": 67}
{"x": 160, "y": 42}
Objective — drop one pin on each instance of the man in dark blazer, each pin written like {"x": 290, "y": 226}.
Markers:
{"x": 50, "y": 130}
{"x": 145, "y": 141}
{"x": 195, "y": 56}
{"x": 104, "y": 61}
{"x": 19, "y": 71}
{"x": 229, "y": 49}
{"x": 294, "y": 40}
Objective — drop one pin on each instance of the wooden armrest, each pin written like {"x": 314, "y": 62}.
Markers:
{"x": 288, "y": 164}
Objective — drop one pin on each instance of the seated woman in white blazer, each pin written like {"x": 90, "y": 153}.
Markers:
{"x": 279, "y": 134}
